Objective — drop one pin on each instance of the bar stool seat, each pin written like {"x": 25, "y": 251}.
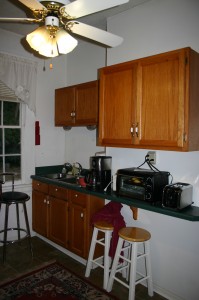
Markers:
{"x": 127, "y": 250}
{"x": 14, "y": 198}
{"x": 104, "y": 260}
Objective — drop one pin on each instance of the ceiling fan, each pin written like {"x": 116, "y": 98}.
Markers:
{"x": 58, "y": 19}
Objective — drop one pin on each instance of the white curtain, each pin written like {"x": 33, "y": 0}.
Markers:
{"x": 20, "y": 76}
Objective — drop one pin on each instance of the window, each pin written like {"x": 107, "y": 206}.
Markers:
{"x": 10, "y": 137}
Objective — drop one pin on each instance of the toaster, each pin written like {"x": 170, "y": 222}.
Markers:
{"x": 177, "y": 195}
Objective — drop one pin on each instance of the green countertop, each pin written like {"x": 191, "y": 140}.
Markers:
{"x": 190, "y": 213}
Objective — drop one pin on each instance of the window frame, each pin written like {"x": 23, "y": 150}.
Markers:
{"x": 21, "y": 127}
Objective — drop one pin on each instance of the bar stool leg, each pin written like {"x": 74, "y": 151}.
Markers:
{"x": 28, "y": 228}
{"x": 91, "y": 253}
{"x": 18, "y": 222}
{"x": 106, "y": 258}
{"x": 148, "y": 268}
{"x": 5, "y": 232}
{"x": 133, "y": 268}
{"x": 115, "y": 264}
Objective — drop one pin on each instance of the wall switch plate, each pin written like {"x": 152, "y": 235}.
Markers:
{"x": 152, "y": 157}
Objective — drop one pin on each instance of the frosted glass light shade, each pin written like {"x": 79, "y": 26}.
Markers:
{"x": 49, "y": 49}
{"x": 42, "y": 41}
{"x": 38, "y": 37}
{"x": 65, "y": 42}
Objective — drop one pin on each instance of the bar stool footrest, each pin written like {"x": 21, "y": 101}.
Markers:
{"x": 17, "y": 240}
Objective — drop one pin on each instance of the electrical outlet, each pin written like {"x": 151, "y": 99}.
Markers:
{"x": 152, "y": 157}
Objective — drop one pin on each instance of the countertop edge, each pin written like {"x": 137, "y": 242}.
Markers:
{"x": 190, "y": 213}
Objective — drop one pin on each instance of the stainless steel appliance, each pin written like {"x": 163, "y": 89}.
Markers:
{"x": 177, "y": 195}
{"x": 141, "y": 184}
{"x": 99, "y": 176}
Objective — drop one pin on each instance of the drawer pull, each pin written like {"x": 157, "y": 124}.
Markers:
{"x": 76, "y": 195}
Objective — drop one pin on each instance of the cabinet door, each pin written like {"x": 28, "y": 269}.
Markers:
{"x": 39, "y": 212}
{"x": 58, "y": 221}
{"x": 86, "y": 112}
{"x": 78, "y": 223}
{"x": 161, "y": 101}
{"x": 65, "y": 106}
{"x": 117, "y": 106}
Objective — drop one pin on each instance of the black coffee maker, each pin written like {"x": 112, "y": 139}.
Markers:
{"x": 99, "y": 176}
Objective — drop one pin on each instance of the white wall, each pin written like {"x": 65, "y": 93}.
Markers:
{"x": 154, "y": 27}
{"x": 82, "y": 66}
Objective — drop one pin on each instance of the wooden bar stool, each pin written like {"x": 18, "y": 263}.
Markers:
{"x": 129, "y": 239}
{"x": 104, "y": 260}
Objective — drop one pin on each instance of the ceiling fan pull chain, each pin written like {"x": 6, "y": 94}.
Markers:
{"x": 51, "y": 65}
{"x": 44, "y": 66}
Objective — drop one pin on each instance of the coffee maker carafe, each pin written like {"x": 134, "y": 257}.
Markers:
{"x": 100, "y": 173}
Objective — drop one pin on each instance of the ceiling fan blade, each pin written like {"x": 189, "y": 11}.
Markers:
{"x": 80, "y": 8}
{"x": 33, "y": 4}
{"x": 23, "y": 20}
{"x": 95, "y": 34}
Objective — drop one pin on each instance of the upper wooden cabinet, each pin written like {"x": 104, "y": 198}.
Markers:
{"x": 151, "y": 102}
{"x": 77, "y": 105}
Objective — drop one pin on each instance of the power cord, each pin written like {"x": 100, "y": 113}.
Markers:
{"x": 151, "y": 166}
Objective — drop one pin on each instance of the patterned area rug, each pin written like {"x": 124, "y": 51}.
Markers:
{"x": 53, "y": 281}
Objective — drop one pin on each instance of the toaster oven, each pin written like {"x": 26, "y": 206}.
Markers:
{"x": 141, "y": 184}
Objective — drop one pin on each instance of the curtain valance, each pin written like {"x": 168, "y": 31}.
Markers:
{"x": 19, "y": 75}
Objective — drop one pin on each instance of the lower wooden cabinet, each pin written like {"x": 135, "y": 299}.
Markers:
{"x": 63, "y": 216}
{"x": 39, "y": 207}
{"x": 81, "y": 208}
{"x": 78, "y": 220}
{"x": 50, "y": 212}
{"x": 58, "y": 215}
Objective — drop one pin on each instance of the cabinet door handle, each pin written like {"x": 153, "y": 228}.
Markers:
{"x": 44, "y": 200}
{"x": 56, "y": 190}
{"x": 136, "y": 130}
{"x": 72, "y": 114}
{"x": 76, "y": 195}
{"x": 132, "y": 130}
{"x": 81, "y": 215}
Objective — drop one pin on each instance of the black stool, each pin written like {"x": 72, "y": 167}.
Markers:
{"x": 16, "y": 198}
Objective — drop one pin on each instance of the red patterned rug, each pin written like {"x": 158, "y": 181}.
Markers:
{"x": 53, "y": 281}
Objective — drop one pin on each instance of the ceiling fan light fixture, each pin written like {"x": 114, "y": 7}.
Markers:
{"x": 51, "y": 43}
{"x": 65, "y": 42}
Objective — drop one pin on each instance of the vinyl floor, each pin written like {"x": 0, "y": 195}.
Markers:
{"x": 19, "y": 261}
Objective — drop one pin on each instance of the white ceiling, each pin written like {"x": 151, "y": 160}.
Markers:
{"x": 13, "y": 8}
